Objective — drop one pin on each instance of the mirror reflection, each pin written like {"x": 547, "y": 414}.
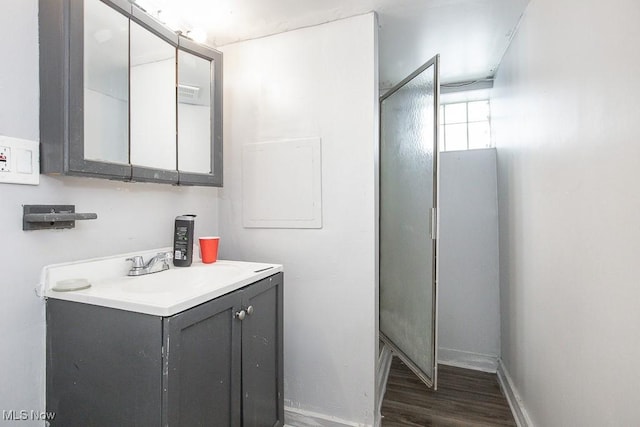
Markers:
{"x": 194, "y": 113}
{"x": 106, "y": 84}
{"x": 153, "y": 100}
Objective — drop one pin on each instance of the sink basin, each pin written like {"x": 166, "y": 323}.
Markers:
{"x": 194, "y": 277}
{"x": 163, "y": 294}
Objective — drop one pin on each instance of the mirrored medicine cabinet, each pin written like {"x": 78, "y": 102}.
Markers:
{"x": 123, "y": 97}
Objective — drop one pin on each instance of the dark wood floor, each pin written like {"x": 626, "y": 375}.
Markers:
{"x": 464, "y": 398}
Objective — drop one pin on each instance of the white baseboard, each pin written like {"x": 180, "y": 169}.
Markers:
{"x": 294, "y": 417}
{"x": 382, "y": 375}
{"x": 513, "y": 397}
{"x": 468, "y": 360}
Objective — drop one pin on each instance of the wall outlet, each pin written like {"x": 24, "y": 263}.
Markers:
{"x": 5, "y": 159}
{"x": 19, "y": 161}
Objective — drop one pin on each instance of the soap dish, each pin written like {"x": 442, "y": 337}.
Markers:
{"x": 71, "y": 285}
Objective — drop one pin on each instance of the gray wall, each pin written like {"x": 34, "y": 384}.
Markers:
{"x": 468, "y": 293}
{"x": 566, "y": 120}
{"x": 131, "y": 217}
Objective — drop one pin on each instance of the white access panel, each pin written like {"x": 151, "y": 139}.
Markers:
{"x": 19, "y": 161}
{"x": 281, "y": 184}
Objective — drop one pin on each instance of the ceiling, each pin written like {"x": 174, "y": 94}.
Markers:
{"x": 470, "y": 35}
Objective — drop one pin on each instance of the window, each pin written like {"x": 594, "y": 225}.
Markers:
{"x": 465, "y": 126}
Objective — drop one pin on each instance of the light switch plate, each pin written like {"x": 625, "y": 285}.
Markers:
{"x": 5, "y": 159}
{"x": 19, "y": 161}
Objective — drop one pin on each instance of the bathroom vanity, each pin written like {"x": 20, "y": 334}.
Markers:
{"x": 186, "y": 347}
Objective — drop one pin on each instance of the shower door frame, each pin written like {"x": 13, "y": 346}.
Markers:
{"x": 433, "y": 221}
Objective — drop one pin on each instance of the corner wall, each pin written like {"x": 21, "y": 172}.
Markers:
{"x": 131, "y": 217}
{"x": 566, "y": 122}
{"x": 468, "y": 284}
{"x": 314, "y": 82}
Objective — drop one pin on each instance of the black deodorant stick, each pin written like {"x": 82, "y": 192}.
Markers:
{"x": 183, "y": 240}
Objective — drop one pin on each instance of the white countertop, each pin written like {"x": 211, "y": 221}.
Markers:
{"x": 162, "y": 294}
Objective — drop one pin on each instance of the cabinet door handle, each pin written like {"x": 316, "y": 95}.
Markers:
{"x": 240, "y": 315}
{"x": 250, "y": 310}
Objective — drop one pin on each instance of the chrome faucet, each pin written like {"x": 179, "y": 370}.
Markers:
{"x": 158, "y": 263}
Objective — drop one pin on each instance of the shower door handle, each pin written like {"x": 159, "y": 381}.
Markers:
{"x": 433, "y": 223}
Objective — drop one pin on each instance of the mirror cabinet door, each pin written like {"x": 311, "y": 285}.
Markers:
{"x": 195, "y": 75}
{"x": 199, "y": 114}
{"x": 106, "y": 84}
{"x": 153, "y": 100}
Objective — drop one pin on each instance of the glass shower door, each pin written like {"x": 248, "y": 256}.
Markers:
{"x": 408, "y": 185}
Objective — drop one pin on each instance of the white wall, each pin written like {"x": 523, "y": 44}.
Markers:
{"x": 468, "y": 287}
{"x": 314, "y": 82}
{"x": 130, "y": 217}
{"x": 566, "y": 124}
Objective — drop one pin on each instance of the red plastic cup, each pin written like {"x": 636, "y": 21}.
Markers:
{"x": 209, "y": 249}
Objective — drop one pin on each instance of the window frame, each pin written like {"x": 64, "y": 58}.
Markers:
{"x": 442, "y": 142}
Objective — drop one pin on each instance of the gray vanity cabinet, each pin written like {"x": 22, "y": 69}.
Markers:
{"x": 206, "y": 366}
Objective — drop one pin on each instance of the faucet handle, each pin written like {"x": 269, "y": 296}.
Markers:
{"x": 166, "y": 257}
{"x": 138, "y": 261}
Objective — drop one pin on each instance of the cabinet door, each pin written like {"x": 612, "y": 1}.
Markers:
{"x": 84, "y": 48}
{"x": 152, "y": 78}
{"x": 199, "y": 115}
{"x": 262, "y": 374}
{"x": 103, "y": 366}
{"x": 201, "y": 384}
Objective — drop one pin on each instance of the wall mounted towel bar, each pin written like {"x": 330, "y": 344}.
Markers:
{"x": 46, "y": 217}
